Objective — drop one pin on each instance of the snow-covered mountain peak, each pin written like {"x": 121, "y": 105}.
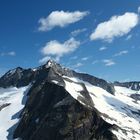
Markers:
{"x": 50, "y": 63}
{"x": 64, "y": 104}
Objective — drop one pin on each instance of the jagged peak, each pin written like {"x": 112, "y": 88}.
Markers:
{"x": 53, "y": 69}
{"x": 50, "y": 63}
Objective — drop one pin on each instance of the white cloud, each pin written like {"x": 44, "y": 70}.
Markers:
{"x": 121, "y": 53}
{"x": 108, "y": 62}
{"x": 84, "y": 58}
{"x": 12, "y": 53}
{"x": 44, "y": 59}
{"x": 60, "y": 19}
{"x": 128, "y": 37}
{"x": 78, "y": 31}
{"x": 102, "y": 48}
{"x": 59, "y": 49}
{"x": 56, "y": 49}
{"x": 139, "y": 9}
{"x": 117, "y": 26}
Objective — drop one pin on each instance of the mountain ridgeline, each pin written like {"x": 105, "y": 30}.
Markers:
{"x": 135, "y": 85}
{"x": 51, "y": 113}
{"x": 22, "y": 77}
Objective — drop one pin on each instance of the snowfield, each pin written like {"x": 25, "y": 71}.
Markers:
{"x": 119, "y": 109}
{"x": 14, "y": 99}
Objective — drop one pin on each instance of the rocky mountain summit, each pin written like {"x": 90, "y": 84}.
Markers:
{"x": 65, "y": 105}
{"x": 51, "y": 70}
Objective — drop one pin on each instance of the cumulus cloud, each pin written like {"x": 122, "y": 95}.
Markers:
{"x": 102, "y": 48}
{"x": 117, "y": 26}
{"x": 78, "y": 31}
{"x": 60, "y": 19}
{"x": 121, "y": 53}
{"x": 56, "y": 49}
{"x": 108, "y": 62}
{"x": 11, "y": 53}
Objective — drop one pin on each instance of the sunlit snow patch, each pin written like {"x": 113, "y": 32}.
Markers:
{"x": 9, "y": 115}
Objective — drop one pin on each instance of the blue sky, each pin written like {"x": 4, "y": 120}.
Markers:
{"x": 89, "y": 36}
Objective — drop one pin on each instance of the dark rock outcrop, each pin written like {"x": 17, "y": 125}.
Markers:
{"x": 4, "y": 105}
{"x": 51, "y": 113}
{"x": 135, "y": 97}
{"x": 18, "y": 77}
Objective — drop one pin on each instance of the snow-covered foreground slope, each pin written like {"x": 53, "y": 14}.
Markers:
{"x": 119, "y": 109}
{"x": 14, "y": 99}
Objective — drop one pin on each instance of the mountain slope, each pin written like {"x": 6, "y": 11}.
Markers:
{"x": 134, "y": 85}
{"x": 120, "y": 109}
{"x": 66, "y": 105}
{"x": 12, "y": 101}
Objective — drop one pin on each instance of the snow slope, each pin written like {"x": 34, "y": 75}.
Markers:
{"x": 119, "y": 109}
{"x": 9, "y": 115}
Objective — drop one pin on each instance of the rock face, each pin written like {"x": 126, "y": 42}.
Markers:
{"x": 4, "y": 105}
{"x": 18, "y": 77}
{"x": 51, "y": 113}
{"x": 132, "y": 85}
